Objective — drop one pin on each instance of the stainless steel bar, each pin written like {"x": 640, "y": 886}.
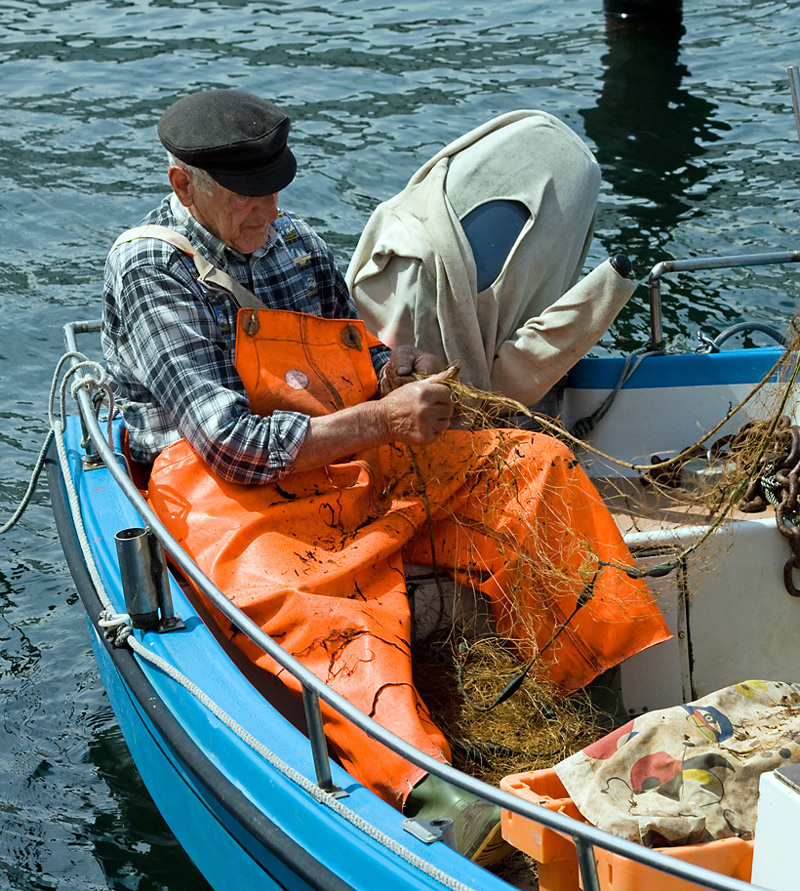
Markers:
{"x": 587, "y": 865}
{"x": 656, "y": 318}
{"x": 698, "y": 263}
{"x": 794, "y": 86}
{"x": 316, "y": 735}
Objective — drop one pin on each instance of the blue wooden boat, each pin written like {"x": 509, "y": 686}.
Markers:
{"x": 242, "y": 775}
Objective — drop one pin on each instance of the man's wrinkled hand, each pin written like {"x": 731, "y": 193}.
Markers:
{"x": 404, "y": 365}
{"x": 415, "y": 414}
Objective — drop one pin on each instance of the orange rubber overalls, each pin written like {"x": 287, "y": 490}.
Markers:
{"x": 316, "y": 558}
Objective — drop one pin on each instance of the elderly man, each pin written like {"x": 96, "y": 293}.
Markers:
{"x": 299, "y": 480}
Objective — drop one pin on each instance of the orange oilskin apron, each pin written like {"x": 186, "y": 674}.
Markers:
{"x": 316, "y": 558}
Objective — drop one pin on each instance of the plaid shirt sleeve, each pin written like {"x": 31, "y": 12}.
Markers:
{"x": 169, "y": 343}
{"x": 172, "y": 364}
{"x": 332, "y": 299}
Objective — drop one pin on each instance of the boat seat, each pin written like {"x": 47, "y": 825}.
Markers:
{"x": 138, "y": 472}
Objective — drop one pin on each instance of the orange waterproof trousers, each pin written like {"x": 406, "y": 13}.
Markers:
{"x": 316, "y": 559}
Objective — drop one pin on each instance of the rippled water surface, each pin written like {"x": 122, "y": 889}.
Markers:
{"x": 695, "y": 134}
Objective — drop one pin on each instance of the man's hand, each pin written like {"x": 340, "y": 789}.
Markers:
{"x": 404, "y": 363}
{"x": 415, "y": 414}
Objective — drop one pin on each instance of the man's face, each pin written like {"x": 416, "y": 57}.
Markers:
{"x": 239, "y": 221}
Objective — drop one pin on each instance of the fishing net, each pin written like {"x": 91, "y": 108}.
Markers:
{"x": 460, "y": 679}
{"x": 496, "y": 711}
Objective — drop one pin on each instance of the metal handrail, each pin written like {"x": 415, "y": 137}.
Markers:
{"x": 696, "y": 263}
{"x": 794, "y": 86}
{"x": 584, "y": 835}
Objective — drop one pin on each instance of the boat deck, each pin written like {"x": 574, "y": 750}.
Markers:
{"x": 638, "y": 508}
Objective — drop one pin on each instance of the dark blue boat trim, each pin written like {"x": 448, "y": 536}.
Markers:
{"x": 683, "y": 370}
{"x": 180, "y": 749}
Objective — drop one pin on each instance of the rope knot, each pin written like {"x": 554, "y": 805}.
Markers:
{"x": 116, "y": 627}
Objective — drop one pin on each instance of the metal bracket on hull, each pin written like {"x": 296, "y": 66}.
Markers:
{"x": 319, "y": 747}
{"x": 430, "y": 831}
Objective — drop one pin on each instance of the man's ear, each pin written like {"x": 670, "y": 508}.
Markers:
{"x": 182, "y": 185}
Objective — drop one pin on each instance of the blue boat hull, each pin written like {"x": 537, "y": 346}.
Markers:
{"x": 237, "y": 784}
{"x": 230, "y": 841}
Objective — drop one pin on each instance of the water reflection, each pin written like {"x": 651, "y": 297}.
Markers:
{"x": 375, "y": 89}
{"x": 650, "y": 133}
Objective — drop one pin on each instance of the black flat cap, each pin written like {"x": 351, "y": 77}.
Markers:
{"x": 237, "y": 138}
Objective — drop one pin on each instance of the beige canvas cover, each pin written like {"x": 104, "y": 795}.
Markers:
{"x": 413, "y": 275}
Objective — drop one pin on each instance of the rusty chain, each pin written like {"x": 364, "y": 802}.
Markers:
{"x": 778, "y": 485}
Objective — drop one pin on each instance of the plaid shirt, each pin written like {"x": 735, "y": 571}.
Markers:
{"x": 169, "y": 343}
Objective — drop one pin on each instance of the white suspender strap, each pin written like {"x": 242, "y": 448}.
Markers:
{"x": 206, "y": 273}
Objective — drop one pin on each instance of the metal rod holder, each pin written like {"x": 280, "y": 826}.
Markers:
{"x": 145, "y": 581}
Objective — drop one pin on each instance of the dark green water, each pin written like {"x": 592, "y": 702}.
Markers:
{"x": 700, "y": 156}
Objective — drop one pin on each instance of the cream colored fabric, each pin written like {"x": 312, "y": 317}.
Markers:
{"x": 689, "y": 773}
{"x": 413, "y": 275}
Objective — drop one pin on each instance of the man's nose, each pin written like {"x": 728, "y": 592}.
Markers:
{"x": 267, "y": 206}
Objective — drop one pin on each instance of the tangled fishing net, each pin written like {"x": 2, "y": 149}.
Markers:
{"x": 502, "y": 720}
{"x": 460, "y": 679}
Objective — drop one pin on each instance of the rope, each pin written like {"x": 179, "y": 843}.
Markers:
{"x": 556, "y": 429}
{"x": 26, "y": 498}
{"x": 583, "y": 426}
{"x": 57, "y": 426}
{"x": 664, "y": 568}
{"x": 54, "y": 426}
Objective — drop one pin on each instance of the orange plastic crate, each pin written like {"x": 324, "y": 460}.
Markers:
{"x": 557, "y": 860}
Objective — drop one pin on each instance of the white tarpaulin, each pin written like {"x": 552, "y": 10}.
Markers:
{"x": 413, "y": 273}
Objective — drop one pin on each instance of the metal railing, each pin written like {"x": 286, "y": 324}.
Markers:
{"x": 584, "y": 835}
{"x": 794, "y": 86}
{"x": 694, "y": 264}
